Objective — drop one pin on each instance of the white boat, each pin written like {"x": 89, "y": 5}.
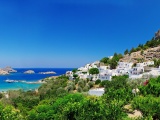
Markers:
{"x": 11, "y": 81}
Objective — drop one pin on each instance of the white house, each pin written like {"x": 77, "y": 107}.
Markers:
{"x": 104, "y": 67}
{"x": 145, "y": 64}
{"x": 124, "y": 65}
{"x": 155, "y": 71}
{"x": 85, "y": 76}
{"x": 105, "y": 73}
{"x": 140, "y": 65}
{"x": 135, "y": 76}
{"x": 69, "y": 73}
{"x": 137, "y": 70}
{"x": 148, "y": 63}
{"x": 97, "y": 92}
{"x": 103, "y": 77}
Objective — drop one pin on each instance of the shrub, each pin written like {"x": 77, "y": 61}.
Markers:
{"x": 102, "y": 84}
{"x": 69, "y": 88}
{"x": 60, "y": 91}
{"x": 98, "y": 82}
{"x": 148, "y": 105}
{"x": 86, "y": 88}
{"x": 91, "y": 84}
{"x": 79, "y": 89}
{"x": 1, "y": 95}
{"x": 81, "y": 84}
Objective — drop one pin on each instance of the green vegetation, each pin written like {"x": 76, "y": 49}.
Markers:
{"x": 98, "y": 82}
{"x": 74, "y": 70}
{"x": 149, "y": 44}
{"x": 93, "y": 71}
{"x": 126, "y": 51}
{"x": 156, "y": 62}
{"x": 105, "y": 60}
{"x": 61, "y": 99}
{"x": 113, "y": 62}
{"x": 75, "y": 76}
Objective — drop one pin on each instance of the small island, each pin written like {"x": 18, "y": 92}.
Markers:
{"x": 49, "y": 72}
{"x": 29, "y": 72}
{"x": 7, "y": 71}
{"x": 3, "y": 72}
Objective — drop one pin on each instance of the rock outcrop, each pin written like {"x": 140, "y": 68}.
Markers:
{"x": 29, "y": 72}
{"x": 3, "y": 72}
{"x": 157, "y": 35}
{"x": 9, "y": 70}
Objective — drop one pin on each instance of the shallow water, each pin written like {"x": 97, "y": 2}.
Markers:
{"x": 4, "y": 86}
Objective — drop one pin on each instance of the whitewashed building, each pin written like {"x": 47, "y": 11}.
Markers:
{"x": 96, "y": 92}
{"x": 137, "y": 70}
{"x": 124, "y": 65}
{"x": 155, "y": 72}
{"x": 123, "y": 68}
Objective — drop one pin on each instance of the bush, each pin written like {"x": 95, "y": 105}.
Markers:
{"x": 148, "y": 105}
{"x": 69, "y": 88}
{"x": 1, "y": 95}
{"x": 152, "y": 88}
{"x": 79, "y": 89}
{"x": 72, "y": 84}
{"x": 102, "y": 84}
{"x": 81, "y": 84}
{"x": 60, "y": 91}
{"x": 86, "y": 88}
{"x": 91, "y": 84}
{"x": 76, "y": 80}
{"x": 98, "y": 82}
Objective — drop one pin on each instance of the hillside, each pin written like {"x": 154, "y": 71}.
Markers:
{"x": 143, "y": 55}
{"x": 144, "y": 52}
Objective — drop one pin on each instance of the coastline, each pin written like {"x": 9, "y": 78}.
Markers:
{"x": 24, "y": 87}
{"x": 38, "y": 82}
{"x": 28, "y": 81}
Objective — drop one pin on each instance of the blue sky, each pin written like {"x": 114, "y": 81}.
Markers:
{"x": 71, "y": 33}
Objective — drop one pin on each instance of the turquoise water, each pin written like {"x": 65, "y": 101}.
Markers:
{"x": 4, "y": 86}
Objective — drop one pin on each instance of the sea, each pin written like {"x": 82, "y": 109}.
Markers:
{"x": 20, "y": 76}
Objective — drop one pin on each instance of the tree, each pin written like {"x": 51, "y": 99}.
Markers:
{"x": 91, "y": 84}
{"x": 115, "y": 54}
{"x": 105, "y": 60}
{"x": 93, "y": 71}
{"x": 113, "y": 63}
{"x": 140, "y": 45}
{"x": 81, "y": 83}
{"x": 132, "y": 50}
{"x": 75, "y": 76}
{"x": 126, "y": 52}
{"x": 74, "y": 70}
{"x": 145, "y": 47}
{"x": 98, "y": 82}
{"x": 138, "y": 49}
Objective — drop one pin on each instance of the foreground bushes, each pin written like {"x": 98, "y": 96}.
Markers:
{"x": 149, "y": 106}
{"x": 78, "y": 107}
{"x": 57, "y": 101}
